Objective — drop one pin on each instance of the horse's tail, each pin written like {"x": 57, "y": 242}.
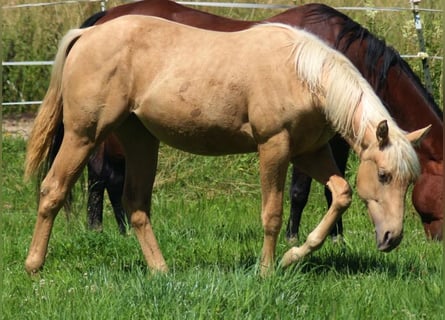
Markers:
{"x": 48, "y": 122}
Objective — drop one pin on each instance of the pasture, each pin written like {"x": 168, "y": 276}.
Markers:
{"x": 206, "y": 217}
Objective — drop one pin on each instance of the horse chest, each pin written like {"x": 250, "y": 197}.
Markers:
{"x": 310, "y": 133}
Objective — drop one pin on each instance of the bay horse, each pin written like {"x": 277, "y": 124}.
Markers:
{"x": 215, "y": 93}
{"x": 391, "y": 77}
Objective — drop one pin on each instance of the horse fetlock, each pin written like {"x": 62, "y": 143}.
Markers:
{"x": 161, "y": 268}
{"x": 266, "y": 269}
{"x": 314, "y": 241}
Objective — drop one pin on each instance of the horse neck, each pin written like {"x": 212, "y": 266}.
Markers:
{"x": 413, "y": 109}
{"x": 405, "y": 98}
{"x": 403, "y": 95}
{"x": 359, "y": 137}
{"x": 173, "y": 11}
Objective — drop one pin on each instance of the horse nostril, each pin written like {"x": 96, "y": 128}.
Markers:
{"x": 387, "y": 237}
{"x": 389, "y": 241}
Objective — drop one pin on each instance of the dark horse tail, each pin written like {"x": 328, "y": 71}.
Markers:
{"x": 47, "y": 132}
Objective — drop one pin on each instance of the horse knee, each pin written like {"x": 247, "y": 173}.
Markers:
{"x": 298, "y": 195}
{"x": 300, "y": 187}
{"x": 341, "y": 192}
{"x": 272, "y": 223}
{"x": 344, "y": 199}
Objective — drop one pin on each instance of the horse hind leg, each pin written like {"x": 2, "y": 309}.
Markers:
{"x": 65, "y": 170}
{"x": 115, "y": 189}
{"x": 96, "y": 189}
{"x": 141, "y": 155}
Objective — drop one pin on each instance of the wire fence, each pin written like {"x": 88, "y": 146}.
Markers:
{"x": 103, "y": 4}
{"x": 220, "y": 5}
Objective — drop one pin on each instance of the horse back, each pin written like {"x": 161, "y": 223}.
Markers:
{"x": 185, "y": 82}
{"x": 173, "y": 11}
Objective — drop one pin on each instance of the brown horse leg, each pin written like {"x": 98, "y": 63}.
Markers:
{"x": 340, "y": 152}
{"x": 299, "y": 193}
{"x": 64, "y": 172}
{"x": 300, "y": 188}
{"x": 274, "y": 161}
{"x": 320, "y": 166}
{"x": 141, "y": 156}
{"x": 96, "y": 190}
{"x": 115, "y": 189}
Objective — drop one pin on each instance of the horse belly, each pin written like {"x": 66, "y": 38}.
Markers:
{"x": 198, "y": 131}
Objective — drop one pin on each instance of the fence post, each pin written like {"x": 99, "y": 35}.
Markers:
{"x": 422, "y": 54}
{"x": 103, "y": 6}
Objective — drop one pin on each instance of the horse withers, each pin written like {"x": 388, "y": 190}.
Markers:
{"x": 283, "y": 98}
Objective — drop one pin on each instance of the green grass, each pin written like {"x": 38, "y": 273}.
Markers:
{"x": 206, "y": 217}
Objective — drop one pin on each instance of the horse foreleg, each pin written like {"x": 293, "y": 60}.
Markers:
{"x": 274, "y": 161}
{"x": 340, "y": 152}
{"x": 141, "y": 155}
{"x": 299, "y": 194}
{"x": 320, "y": 165}
{"x": 64, "y": 171}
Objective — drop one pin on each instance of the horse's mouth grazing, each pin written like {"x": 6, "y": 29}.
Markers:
{"x": 388, "y": 243}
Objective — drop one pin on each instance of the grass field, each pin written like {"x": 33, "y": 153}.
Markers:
{"x": 206, "y": 218}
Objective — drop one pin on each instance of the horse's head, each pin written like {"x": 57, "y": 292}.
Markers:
{"x": 387, "y": 167}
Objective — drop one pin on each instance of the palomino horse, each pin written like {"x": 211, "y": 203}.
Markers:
{"x": 393, "y": 80}
{"x": 216, "y": 93}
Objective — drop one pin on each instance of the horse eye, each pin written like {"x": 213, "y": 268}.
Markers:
{"x": 384, "y": 177}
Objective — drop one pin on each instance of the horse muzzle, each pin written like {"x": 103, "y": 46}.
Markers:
{"x": 388, "y": 241}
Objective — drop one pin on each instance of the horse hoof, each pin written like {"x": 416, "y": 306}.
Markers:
{"x": 292, "y": 240}
{"x": 32, "y": 271}
{"x": 291, "y": 256}
{"x": 338, "y": 239}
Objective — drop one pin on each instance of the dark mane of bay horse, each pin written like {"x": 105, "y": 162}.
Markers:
{"x": 377, "y": 51}
{"x": 103, "y": 170}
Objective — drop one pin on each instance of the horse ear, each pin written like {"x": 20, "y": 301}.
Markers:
{"x": 382, "y": 134}
{"x": 417, "y": 136}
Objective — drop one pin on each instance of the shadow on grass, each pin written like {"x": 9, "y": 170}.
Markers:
{"x": 90, "y": 250}
{"x": 353, "y": 263}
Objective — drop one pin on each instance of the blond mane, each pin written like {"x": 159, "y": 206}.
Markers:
{"x": 332, "y": 77}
